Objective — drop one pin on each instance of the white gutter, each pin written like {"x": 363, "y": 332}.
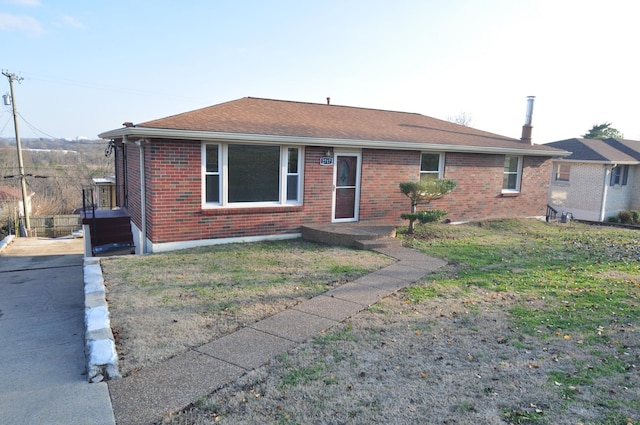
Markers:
{"x": 143, "y": 198}
{"x": 143, "y": 204}
{"x": 160, "y": 133}
{"x": 589, "y": 161}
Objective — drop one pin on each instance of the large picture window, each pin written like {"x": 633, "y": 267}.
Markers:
{"x": 254, "y": 173}
{"x": 431, "y": 165}
{"x": 237, "y": 174}
{"x": 512, "y": 173}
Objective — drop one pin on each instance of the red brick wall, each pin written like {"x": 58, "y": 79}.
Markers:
{"x": 478, "y": 193}
{"x": 174, "y": 213}
{"x": 382, "y": 172}
{"x": 132, "y": 185}
{"x": 174, "y": 201}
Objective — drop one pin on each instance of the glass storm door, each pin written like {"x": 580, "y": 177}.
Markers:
{"x": 346, "y": 193}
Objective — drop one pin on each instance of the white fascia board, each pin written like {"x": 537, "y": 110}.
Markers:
{"x": 159, "y": 133}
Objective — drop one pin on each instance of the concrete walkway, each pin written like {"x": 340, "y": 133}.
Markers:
{"x": 150, "y": 394}
{"x": 42, "y": 360}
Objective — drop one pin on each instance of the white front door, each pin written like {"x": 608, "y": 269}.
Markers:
{"x": 346, "y": 186}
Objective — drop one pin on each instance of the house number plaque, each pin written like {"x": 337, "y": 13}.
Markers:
{"x": 326, "y": 160}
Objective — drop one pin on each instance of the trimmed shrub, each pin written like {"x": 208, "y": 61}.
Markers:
{"x": 429, "y": 216}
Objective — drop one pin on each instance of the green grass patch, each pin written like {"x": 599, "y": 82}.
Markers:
{"x": 416, "y": 294}
{"x": 578, "y": 281}
{"x": 344, "y": 334}
{"x": 303, "y": 375}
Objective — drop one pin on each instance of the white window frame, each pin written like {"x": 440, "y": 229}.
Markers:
{"x": 518, "y": 175}
{"x": 223, "y": 170}
{"x": 205, "y": 173}
{"x": 556, "y": 172}
{"x": 619, "y": 175}
{"x": 440, "y": 171}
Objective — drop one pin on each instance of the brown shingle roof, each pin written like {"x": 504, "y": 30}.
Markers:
{"x": 257, "y": 116}
{"x": 600, "y": 150}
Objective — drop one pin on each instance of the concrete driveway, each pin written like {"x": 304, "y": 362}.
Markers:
{"x": 42, "y": 361}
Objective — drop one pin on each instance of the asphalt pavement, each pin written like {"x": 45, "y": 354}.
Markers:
{"x": 43, "y": 377}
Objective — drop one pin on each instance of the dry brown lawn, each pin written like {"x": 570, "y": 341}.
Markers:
{"x": 163, "y": 304}
{"x": 543, "y": 334}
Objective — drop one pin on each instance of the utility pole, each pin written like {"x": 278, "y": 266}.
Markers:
{"x": 23, "y": 184}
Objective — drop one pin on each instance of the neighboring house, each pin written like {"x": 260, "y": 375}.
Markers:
{"x": 11, "y": 204}
{"x": 255, "y": 169}
{"x": 598, "y": 180}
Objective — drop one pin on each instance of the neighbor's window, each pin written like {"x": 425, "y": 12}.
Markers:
{"x": 512, "y": 173}
{"x": 431, "y": 166}
{"x": 562, "y": 172}
{"x": 619, "y": 175}
{"x": 251, "y": 174}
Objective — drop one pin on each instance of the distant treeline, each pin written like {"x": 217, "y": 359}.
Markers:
{"x": 54, "y": 176}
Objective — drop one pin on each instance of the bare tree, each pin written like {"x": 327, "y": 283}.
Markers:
{"x": 463, "y": 118}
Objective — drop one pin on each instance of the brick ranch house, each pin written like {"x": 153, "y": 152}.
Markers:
{"x": 258, "y": 169}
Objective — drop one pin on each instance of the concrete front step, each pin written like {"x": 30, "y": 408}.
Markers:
{"x": 372, "y": 244}
{"x": 346, "y": 234}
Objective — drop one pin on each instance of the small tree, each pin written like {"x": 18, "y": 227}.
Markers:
{"x": 423, "y": 193}
{"x": 603, "y": 131}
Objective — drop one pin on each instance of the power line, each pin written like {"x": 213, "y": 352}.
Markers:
{"x": 37, "y": 130}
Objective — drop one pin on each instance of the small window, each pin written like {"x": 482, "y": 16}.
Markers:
{"x": 562, "y": 172}
{"x": 512, "y": 173}
{"x": 619, "y": 175}
{"x": 293, "y": 175}
{"x": 212, "y": 174}
{"x": 431, "y": 166}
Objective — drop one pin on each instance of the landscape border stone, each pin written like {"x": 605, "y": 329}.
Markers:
{"x": 6, "y": 241}
{"x": 102, "y": 358}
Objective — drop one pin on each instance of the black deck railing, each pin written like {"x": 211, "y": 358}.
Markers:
{"x": 88, "y": 201}
{"x": 552, "y": 213}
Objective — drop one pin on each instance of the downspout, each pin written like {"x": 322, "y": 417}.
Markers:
{"x": 143, "y": 196}
{"x": 605, "y": 186}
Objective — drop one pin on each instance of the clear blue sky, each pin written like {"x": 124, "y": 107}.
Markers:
{"x": 89, "y": 66}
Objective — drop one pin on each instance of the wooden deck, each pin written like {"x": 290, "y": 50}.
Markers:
{"x": 110, "y": 231}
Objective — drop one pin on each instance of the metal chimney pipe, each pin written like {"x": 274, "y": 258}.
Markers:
{"x": 529, "y": 115}
{"x": 527, "y": 128}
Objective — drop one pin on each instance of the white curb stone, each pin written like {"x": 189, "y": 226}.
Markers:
{"x": 6, "y": 241}
{"x": 102, "y": 358}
